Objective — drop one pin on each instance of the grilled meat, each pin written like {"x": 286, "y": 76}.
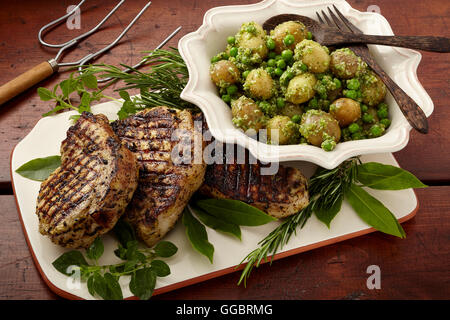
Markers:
{"x": 242, "y": 177}
{"x": 87, "y": 194}
{"x": 159, "y": 137}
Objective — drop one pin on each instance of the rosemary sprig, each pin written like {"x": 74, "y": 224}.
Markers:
{"x": 326, "y": 187}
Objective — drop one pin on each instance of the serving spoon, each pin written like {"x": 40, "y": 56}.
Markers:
{"x": 328, "y": 36}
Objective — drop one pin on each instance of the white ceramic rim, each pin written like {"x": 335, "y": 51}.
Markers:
{"x": 272, "y": 153}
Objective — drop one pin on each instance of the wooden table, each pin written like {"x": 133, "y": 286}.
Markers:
{"x": 414, "y": 268}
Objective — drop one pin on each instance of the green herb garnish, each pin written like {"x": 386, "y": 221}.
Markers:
{"x": 139, "y": 263}
{"x": 40, "y": 168}
{"x": 327, "y": 189}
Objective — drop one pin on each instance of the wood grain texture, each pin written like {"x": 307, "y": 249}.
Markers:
{"x": 428, "y": 156}
{"x": 412, "y": 268}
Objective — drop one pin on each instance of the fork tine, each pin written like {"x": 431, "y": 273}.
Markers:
{"x": 341, "y": 26}
{"x": 349, "y": 25}
{"x": 320, "y": 18}
{"x": 330, "y": 24}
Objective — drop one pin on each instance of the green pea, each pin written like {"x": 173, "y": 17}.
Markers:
{"x": 271, "y": 63}
{"x": 270, "y": 71}
{"x": 296, "y": 118}
{"x": 289, "y": 40}
{"x": 313, "y": 103}
{"x": 328, "y": 145}
{"x": 270, "y": 44}
{"x": 281, "y": 64}
{"x": 337, "y": 82}
{"x": 278, "y": 72}
{"x": 353, "y": 84}
{"x": 245, "y": 73}
{"x": 303, "y": 67}
{"x": 382, "y": 113}
{"x": 354, "y": 127}
{"x": 376, "y": 130}
{"x": 280, "y": 102}
{"x": 278, "y": 57}
{"x": 245, "y": 60}
{"x": 382, "y": 105}
{"x": 357, "y": 136}
{"x": 231, "y": 40}
{"x": 231, "y": 90}
{"x": 367, "y": 118}
{"x": 226, "y": 98}
{"x": 287, "y": 55}
{"x": 215, "y": 59}
{"x": 289, "y": 74}
{"x": 250, "y": 29}
{"x": 309, "y": 35}
{"x": 233, "y": 52}
{"x": 352, "y": 94}
{"x": 386, "y": 122}
{"x": 272, "y": 55}
{"x": 364, "y": 108}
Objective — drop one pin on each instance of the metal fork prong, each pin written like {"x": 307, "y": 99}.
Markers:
{"x": 320, "y": 18}
{"x": 330, "y": 24}
{"x": 347, "y": 22}
{"x": 341, "y": 26}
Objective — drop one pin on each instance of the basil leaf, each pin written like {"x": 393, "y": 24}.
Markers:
{"x": 90, "y": 285}
{"x": 197, "y": 235}
{"x": 67, "y": 259}
{"x": 124, "y": 232}
{"x": 143, "y": 283}
{"x": 95, "y": 250}
{"x": 68, "y": 86}
{"x": 386, "y": 177}
{"x": 326, "y": 215}
{"x": 165, "y": 249}
{"x": 373, "y": 212}
{"x": 216, "y": 223}
{"x": 160, "y": 268}
{"x": 39, "y": 169}
{"x": 234, "y": 211}
{"x": 113, "y": 287}
{"x": 45, "y": 94}
{"x": 99, "y": 286}
{"x": 89, "y": 81}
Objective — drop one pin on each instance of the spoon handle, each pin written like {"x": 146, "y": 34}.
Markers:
{"x": 413, "y": 113}
{"x": 427, "y": 43}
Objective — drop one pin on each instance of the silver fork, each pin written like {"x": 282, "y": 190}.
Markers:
{"x": 413, "y": 113}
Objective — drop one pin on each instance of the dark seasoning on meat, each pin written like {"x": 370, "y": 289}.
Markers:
{"x": 136, "y": 168}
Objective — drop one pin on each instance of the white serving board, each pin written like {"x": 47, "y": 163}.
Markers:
{"x": 187, "y": 266}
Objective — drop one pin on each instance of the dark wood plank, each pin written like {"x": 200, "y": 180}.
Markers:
{"x": 426, "y": 155}
{"x": 413, "y": 268}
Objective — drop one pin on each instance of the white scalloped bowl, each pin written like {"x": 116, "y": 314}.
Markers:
{"x": 198, "y": 47}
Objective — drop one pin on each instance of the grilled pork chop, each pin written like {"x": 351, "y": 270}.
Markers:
{"x": 157, "y": 137}
{"x": 87, "y": 194}
{"x": 240, "y": 178}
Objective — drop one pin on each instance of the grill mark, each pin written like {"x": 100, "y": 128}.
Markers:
{"x": 78, "y": 177}
{"x": 68, "y": 197}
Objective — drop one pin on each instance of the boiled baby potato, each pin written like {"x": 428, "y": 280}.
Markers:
{"x": 301, "y": 88}
{"x": 294, "y": 28}
{"x": 318, "y": 126}
{"x": 252, "y": 36}
{"x": 280, "y": 130}
{"x": 373, "y": 90}
{"x": 291, "y": 110}
{"x": 315, "y": 56}
{"x": 246, "y": 114}
{"x": 259, "y": 84}
{"x": 345, "y": 64}
{"x": 345, "y": 111}
{"x": 224, "y": 73}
